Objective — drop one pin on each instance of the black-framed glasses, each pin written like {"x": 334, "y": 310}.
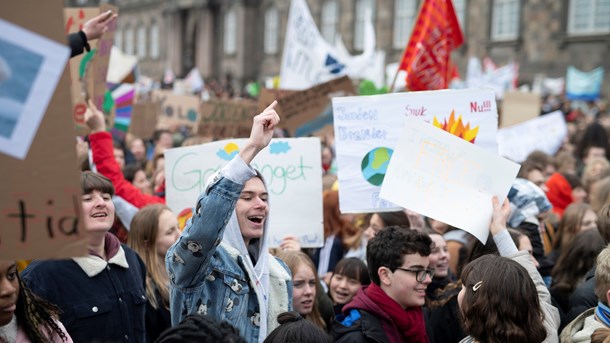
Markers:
{"x": 420, "y": 274}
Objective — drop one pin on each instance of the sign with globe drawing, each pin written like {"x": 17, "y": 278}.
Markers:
{"x": 375, "y": 165}
{"x": 367, "y": 129}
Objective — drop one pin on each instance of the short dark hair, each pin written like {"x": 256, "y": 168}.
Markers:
{"x": 200, "y": 328}
{"x": 500, "y": 302}
{"x": 130, "y": 170}
{"x": 353, "y": 268}
{"x": 294, "y": 329}
{"x": 91, "y": 181}
{"x": 389, "y": 247}
{"x": 397, "y": 218}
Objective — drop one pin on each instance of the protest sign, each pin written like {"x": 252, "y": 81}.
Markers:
{"x": 97, "y": 69}
{"x": 40, "y": 204}
{"x": 518, "y": 107}
{"x": 177, "y": 109}
{"x": 74, "y": 19}
{"x": 144, "y": 119}
{"x": 446, "y": 178}
{"x": 292, "y": 170}
{"x": 227, "y": 118}
{"x": 268, "y": 95}
{"x": 582, "y": 85}
{"x": 368, "y": 127}
{"x": 307, "y": 107}
{"x": 545, "y": 133}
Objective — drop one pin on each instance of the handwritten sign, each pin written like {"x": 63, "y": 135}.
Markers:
{"x": 446, "y": 178}
{"x": 302, "y": 107}
{"x": 518, "y": 107}
{"x": 368, "y": 127}
{"x": 74, "y": 19}
{"x": 292, "y": 170}
{"x": 40, "y": 202}
{"x": 227, "y": 119}
{"x": 545, "y": 133}
{"x": 177, "y": 109}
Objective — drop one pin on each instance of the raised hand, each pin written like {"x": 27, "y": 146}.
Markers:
{"x": 499, "y": 216}
{"x": 261, "y": 134}
{"x": 94, "y": 118}
{"x": 95, "y": 27}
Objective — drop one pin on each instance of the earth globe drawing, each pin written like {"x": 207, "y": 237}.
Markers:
{"x": 375, "y": 165}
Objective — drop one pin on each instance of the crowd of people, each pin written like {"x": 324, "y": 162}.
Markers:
{"x": 543, "y": 275}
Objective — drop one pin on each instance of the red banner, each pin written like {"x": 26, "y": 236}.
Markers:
{"x": 427, "y": 58}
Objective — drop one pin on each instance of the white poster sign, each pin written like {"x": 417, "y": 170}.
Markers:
{"x": 440, "y": 176}
{"x": 292, "y": 169}
{"x": 545, "y": 133}
{"x": 367, "y": 129}
{"x": 30, "y": 67}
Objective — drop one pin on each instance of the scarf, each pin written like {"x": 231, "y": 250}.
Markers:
{"x": 602, "y": 314}
{"x": 409, "y": 323}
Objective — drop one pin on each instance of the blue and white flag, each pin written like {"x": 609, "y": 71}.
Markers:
{"x": 584, "y": 85}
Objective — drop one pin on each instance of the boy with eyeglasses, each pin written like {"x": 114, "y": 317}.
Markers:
{"x": 389, "y": 309}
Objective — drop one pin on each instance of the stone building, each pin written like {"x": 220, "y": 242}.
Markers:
{"x": 245, "y": 38}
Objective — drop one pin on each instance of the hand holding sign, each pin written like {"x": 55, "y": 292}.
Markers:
{"x": 261, "y": 134}
{"x": 499, "y": 216}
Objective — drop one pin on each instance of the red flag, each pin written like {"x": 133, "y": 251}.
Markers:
{"x": 428, "y": 54}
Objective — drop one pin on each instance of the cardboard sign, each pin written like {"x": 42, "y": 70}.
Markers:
{"x": 41, "y": 203}
{"x": 545, "y": 133}
{"x": 518, "y": 107}
{"x": 144, "y": 119}
{"x": 367, "y": 129}
{"x": 441, "y": 176}
{"x": 74, "y": 19}
{"x": 227, "y": 119}
{"x": 268, "y": 95}
{"x": 177, "y": 110}
{"x": 291, "y": 167}
{"x": 307, "y": 106}
{"x": 97, "y": 70}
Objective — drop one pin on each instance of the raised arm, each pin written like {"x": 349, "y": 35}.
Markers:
{"x": 103, "y": 157}
{"x": 507, "y": 248}
{"x": 188, "y": 260}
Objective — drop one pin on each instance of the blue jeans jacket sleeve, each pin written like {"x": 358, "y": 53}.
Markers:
{"x": 188, "y": 260}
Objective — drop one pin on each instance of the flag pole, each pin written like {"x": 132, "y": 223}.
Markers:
{"x": 421, "y": 4}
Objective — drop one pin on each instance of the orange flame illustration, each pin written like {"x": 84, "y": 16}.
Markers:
{"x": 457, "y": 128}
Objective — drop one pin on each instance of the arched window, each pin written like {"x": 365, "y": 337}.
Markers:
{"x": 330, "y": 18}
{"x": 505, "y": 20}
{"x": 230, "y": 37}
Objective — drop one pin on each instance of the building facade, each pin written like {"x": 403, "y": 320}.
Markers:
{"x": 245, "y": 38}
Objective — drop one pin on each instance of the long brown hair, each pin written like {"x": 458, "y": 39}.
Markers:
{"x": 570, "y": 224}
{"x": 293, "y": 260}
{"x": 143, "y": 239}
{"x": 334, "y": 224}
{"x": 500, "y": 302}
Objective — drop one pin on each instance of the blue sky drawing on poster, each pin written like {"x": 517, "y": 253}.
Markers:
{"x": 18, "y": 69}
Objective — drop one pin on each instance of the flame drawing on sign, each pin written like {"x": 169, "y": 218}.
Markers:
{"x": 457, "y": 128}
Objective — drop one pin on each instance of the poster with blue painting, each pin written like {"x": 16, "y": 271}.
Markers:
{"x": 30, "y": 67}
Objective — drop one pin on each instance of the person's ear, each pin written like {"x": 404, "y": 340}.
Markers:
{"x": 384, "y": 276}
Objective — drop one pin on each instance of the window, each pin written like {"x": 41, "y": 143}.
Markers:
{"x": 271, "y": 30}
{"x": 141, "y": 40}
{"x": 505, "y": 20}
{"x": 405, "y": 12}
{"x": 460, "y": 12}
{"x": 230, "y": 31}
{"x": 129, "y": 41}
{"x": 330, "y": 18}
{"x": 362, "y": 6}
{"x": 589, "y": 17}
{"x": 154, "y": 40}
{"x": 118, "y": 39}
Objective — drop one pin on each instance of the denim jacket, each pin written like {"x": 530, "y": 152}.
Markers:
{"x": 209, "y": 275}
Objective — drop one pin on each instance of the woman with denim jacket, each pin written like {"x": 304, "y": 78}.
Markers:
{"x": 220, "y": 266}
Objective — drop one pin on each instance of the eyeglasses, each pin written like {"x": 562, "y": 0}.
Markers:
{"x": 420, "y": 274}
